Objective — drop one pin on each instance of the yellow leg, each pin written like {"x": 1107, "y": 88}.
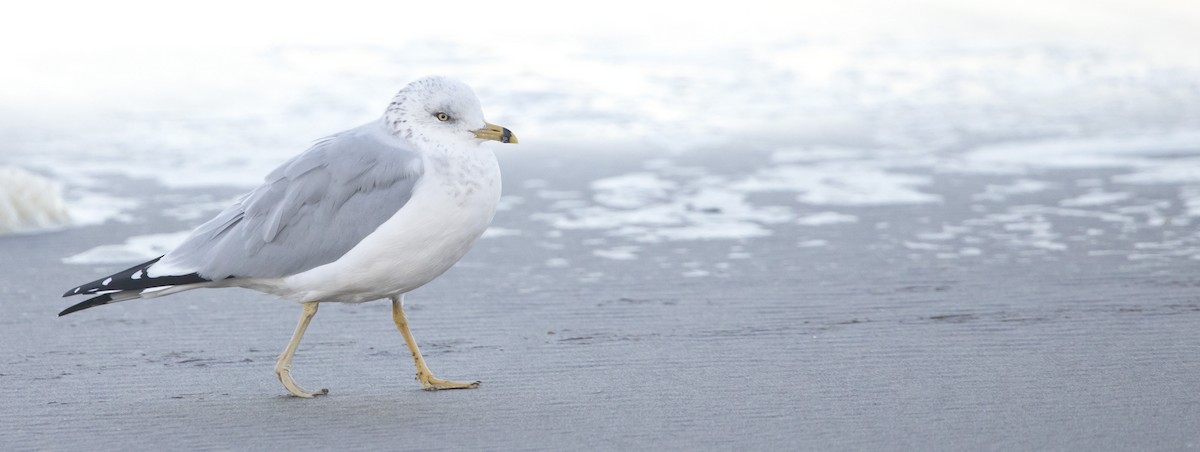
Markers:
{"x": 428, "y": 381}
{"x": 283, "y": 367}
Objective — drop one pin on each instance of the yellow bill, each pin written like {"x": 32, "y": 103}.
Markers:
{"x": 495, "y": 132}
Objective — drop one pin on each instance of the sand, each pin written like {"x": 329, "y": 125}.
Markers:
{"x": 864, "y": 331}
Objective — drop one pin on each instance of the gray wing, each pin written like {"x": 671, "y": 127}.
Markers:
{"x": 309, "y": 212}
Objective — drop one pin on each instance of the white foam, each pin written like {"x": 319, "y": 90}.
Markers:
{"x": 947, "y": 233}
{"x": 926, "y": 246}
{"x": 994, "y": 192}
{"x": 134, "y": 249}
{"x": 1096, "y": 198}
{"x": 674, "y": 203}
{"x": 1035, "y": 211}
{"x": 508, "y": 202}
{"x": 1150, "y": 152}
{"x": 1035, "y": 227}
{"x": 30, "y": 203}
{"x": 910, "y": 94}
{"x": 824, "y": 218}
{"x": 655, "y": 211}
{"x": 92, "y": 208}
{"x": 495, "y": 231}
{"x": 620, "y": 253}
{"x": 558, "y": 194}
{"x": 713, "y": 230}
{"x": 592, "y": 277}
{"x": 1190, "y": 197}
{"x": 1027, "y": 226}
{"x": 841, "y": 183}
{"x": 817, "y": 154}
{"x": 1165, "y": 171}
{"x": 187, "y": 211}
{"x": 632, "y": 190}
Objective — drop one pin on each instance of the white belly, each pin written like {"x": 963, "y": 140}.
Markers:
{"x": 425, "y": 238}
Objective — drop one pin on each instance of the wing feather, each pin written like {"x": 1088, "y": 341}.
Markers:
{"x": 309, "y": 212}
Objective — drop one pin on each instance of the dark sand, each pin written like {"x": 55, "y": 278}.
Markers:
{"x": 863, "y": 343}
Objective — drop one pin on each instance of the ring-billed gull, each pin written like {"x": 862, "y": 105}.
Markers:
{"x": 366, "y": 214}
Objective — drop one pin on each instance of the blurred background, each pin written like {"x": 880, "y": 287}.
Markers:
{"x": 226, "y": 90}
{"x": 217, "y": 95}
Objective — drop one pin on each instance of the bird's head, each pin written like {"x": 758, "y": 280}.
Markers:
{"x": 441, "y": 108}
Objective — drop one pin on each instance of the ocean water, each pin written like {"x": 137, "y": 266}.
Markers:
{"x": 854, "y": 105}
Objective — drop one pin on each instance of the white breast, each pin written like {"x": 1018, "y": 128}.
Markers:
{"x": 451, "y": 206}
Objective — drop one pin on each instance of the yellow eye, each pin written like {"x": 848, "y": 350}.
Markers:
{"x": 443, "y": 117}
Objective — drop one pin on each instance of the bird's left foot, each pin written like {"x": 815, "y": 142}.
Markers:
{"x": 432, "y": 383}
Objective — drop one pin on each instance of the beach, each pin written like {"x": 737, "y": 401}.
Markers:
{"x": 845, "y": 334}
{"x": 970, "y": 228}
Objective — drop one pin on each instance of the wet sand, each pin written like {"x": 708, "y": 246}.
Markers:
{"x": 843, "y": 336}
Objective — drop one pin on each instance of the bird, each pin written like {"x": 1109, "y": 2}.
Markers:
{"x": 366, "y": 214}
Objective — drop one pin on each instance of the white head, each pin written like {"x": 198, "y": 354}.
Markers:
{"x": 440, "y": 109}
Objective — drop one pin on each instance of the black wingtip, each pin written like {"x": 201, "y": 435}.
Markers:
{"x": 89, "y": 303}
{"x": 134, "y": 278}
{"x": 102, "y": 284}
{"x": 124, "y": 284}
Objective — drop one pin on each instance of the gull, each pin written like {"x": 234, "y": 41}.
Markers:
{"x": 370, "y": 213}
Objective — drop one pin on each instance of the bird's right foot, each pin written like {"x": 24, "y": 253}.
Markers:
{"x": 285, "y": 377}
